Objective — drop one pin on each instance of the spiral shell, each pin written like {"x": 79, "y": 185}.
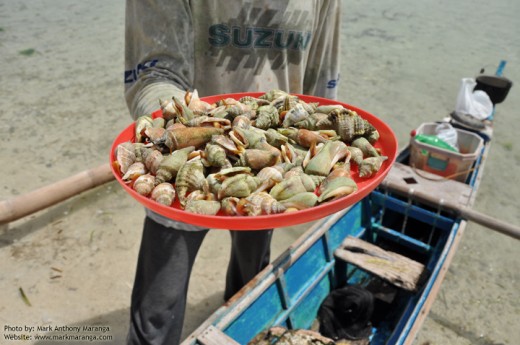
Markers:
{"x": 239, "y": 186}
{"x": 153, "y": 133}
{"x": 134, "y": 171}
{"x": 260, "y": 203}
{"x": 141, "y": 124}
{"x": 296, "y": 114}
{"x": 189, "y": 178}
{"x": 273, "y": 94}
{"x": 267, "y": 117}
{"x": 207, "y": 207}
{"x": 337, "y": 187}
{"x": 229, "y": 206}
{"x": 356, "y": 154}
{"x": 152, "y": 160}
{"x": 366, "y": 147}
{"x": 300, "y": 201}
{"x": 271, "y": 174}
{"x": 257, "y": 159}
{"x": 144, "y": 184}
{"x": 226, "y": 143}
{"x": 303, "y": 137}
{"x": 195, "y": 104}
{"x": 324, "y": 160}
{"x": 168, "y": 109}
{"x": 163, "y": 193}
{"x": 204, "y": 120}
{"x": 291, "y": 186}
{"x": 215, "y": 155}
{"x": 275, "y": 139}
{"x": 178, "y": 138}
{"x": 314, "y": 122}
{"x": 171, "y": 164}
{"x": 125, "y": 156}
{"x": 242, "y": 122}
{"x": 348, "y": 124}
{"x": 371, "y": 165}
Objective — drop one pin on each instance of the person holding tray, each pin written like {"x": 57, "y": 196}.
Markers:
{"x": 216, "y": 48}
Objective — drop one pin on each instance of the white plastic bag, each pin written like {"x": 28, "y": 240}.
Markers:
{"x": 446, "y": 132}
{"x": 474, "y": 103}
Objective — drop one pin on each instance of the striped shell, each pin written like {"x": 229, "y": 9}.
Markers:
{"x": 349, "y": 125}
{"x": 261, "y": 203}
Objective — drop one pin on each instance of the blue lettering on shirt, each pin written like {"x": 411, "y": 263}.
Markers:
{"x": 132, "y": 75}
{"x": 331, "y": 84}
{"x": 221, "y": 35}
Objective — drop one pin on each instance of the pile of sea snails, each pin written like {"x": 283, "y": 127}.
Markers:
{"x": 248, "y": 157}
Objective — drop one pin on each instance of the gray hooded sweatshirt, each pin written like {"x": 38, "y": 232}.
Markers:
{"x": 220, "y": 47}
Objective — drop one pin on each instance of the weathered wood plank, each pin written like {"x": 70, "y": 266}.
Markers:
{"x": 213, "y": 336}
{"x": 281, "y": 335}
{"x": 430, "y": 184}
{"x": 392, "y": 267}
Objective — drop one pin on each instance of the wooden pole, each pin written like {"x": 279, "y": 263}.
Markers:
{"x": 462, "y": 211}
{"x": 25, "y": 204}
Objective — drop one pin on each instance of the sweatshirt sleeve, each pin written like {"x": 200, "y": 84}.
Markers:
{"x": 323, "y": 65}
{"x": 158, "y": 53}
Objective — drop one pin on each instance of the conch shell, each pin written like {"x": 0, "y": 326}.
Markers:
{"x": 291, "y": 186}
{"x": 324, "y": 160}
{"x": 337, "y": 187}
{"x": 189, "y": 178}
{"x": 171, "y": 164}
{"x": 300, "y": 201}
{"x": 371, "y": 165}
{"x": 365, "y": 146}
{"x": 239, "y": 186}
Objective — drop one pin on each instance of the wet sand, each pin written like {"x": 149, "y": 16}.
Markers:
{"x": 61, "y": 106}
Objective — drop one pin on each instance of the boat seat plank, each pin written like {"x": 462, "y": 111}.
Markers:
{"x": 431, "y": 184}
{"x": 214, "y": 336}
{"x": 397, "y": 269}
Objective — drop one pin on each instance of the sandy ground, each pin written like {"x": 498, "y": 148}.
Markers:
{"x": 61, "y": 105}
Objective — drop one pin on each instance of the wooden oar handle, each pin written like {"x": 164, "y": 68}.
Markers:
{"x": 490, "y": 222}
{"x": 460, "y": 210}
{"x": 25, "y": 204}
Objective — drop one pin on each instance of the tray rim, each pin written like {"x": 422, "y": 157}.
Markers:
{"x": 279, "y": 220}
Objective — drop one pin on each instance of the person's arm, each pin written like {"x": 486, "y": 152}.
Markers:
{"x": 158, "y": 53}
{"x": 322, "y": 72}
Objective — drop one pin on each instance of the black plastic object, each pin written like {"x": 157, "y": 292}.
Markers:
{"x": 345, "y": 313}
{"x": 497, "y": 87}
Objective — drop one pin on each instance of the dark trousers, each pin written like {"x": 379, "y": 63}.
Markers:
{"x": 164, "y": 265}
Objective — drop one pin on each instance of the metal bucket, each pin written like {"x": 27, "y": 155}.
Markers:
{"x": 497, "y": 87}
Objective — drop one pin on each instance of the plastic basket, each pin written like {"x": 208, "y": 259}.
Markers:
{"x": 453, "y": 165}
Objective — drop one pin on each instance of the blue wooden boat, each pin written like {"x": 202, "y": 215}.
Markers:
{"x": 289, "y": 292}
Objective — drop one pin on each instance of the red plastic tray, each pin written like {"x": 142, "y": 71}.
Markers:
{"x": 387, "y": 143}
